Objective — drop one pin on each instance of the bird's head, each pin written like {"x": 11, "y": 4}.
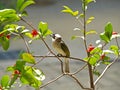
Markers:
{"x": 56, "y": 37}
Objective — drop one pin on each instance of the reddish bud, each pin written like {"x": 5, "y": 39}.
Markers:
{"x": 1, "y": 88}
{"x": 114, "y": 33}
{"x": 8, "y": 36}
{"x": 16, "y": 72}
{"x": 34, "y": 33}
{"x": 102, "y": 56}
{"x": 90, "y": 48}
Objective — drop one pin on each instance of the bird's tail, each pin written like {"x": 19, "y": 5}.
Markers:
{"x": 67, "y": 70}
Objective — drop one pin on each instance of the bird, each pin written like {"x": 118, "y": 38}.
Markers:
{"x": 61, "y": 48}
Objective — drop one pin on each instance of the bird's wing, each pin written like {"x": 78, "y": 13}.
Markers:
{"x": 65, "y": 49}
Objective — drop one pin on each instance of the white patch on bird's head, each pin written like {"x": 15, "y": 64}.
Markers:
{"x": 56, "y": 37}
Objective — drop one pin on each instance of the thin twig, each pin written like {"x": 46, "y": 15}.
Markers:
{"x": 73, "y": 76}
{"x": 117, "y": 42}
{"x": 104, "y": 71}
{"x": 80, "y": 69}
{"x": 78, "y": 59}
{"x": 52, "y": 81}
{"x": 26, "y": 44}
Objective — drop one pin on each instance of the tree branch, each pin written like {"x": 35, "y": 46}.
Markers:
{"x": 80, "y": 69}
{"x": 78, "y": 59}
{"x": 78, "y": 82}
{"x": 52, "y": 80}
{"x": 104, "y": 71}
{"x": 26, "y": 44}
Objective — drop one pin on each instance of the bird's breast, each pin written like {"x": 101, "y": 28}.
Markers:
{"x": 57, "y": 47}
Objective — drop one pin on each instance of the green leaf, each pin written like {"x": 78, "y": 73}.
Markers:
{"x": 15, "y": 77}
{"x": 6, "y": 12}
{"x": 89, "y": 1}
{"x": 91, "y": 32}
{"x": 107, "y": 34}
{"x": 108, "y": 30}
{"x": 90, "y": 19}
{"x": 106, "y": 62}
{"x": 96, "y": 50}
{"x": 106, "y": 58}
{"x": 4, "y": 41}
{"x": 96, "y": 72}
{"x": 28, "y": 77}
{"x": 28, "y": 58}
{"x": 25, "y": 4}
{"x": 19, "y": 65}
{"x": 73, "y": 37}
{"x": 115, "y": 49}
{"x": 70, "y": 11}
{"x": 43, "y": 28}
{"x": 93, "y": 59}
{"x": 22, "y": 4}
{"x": 5, "y": 81}
{"x": 39, "y": 75}
{"x": 19, "y": 4}
{"x": 104, "y": 37}
{"x": 8, "y": 16}
{"x": 10, "y": 68}
{"x": 29, "y": 35}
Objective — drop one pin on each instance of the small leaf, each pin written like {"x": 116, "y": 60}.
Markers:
{"x": 106, "y": 62}
{"x": 97, "y": 41}
{"x": 10, "y": 68}
{"x": 89, "y": 1}
{"x": 107, "y": 34}
{"x": 5, "y": 81}
{"x": 108, "y": 52}
{"x": 91, "y": 32}
{"x": 43, "y": 28}
{"x": 115, "y": 49}
{"x": 96, "y": 50}
{"x": 25, "y": 4}
{"x": 28, "y": 77}
{"x": 108, "y": 30}
{"x": 22, "y": 4}
{"x": 39, "y": 75}
{"x": 70, "y": 11}
{"x": 93, "y": 59}
{"x": 4, "y": 41}
{"x": 77, "y": 29}
{"x": 19, "y": 65}
{"x": 73, "y": 37}
{"x": 28, "y": 58}
{"x": 90, "y": 19}
{"x": 104, "y": 37}
{"x": 29, "y": 35}
{"x": 96, "y": 72}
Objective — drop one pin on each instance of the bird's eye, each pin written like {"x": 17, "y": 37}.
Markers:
{"x": 53, "y": 36}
